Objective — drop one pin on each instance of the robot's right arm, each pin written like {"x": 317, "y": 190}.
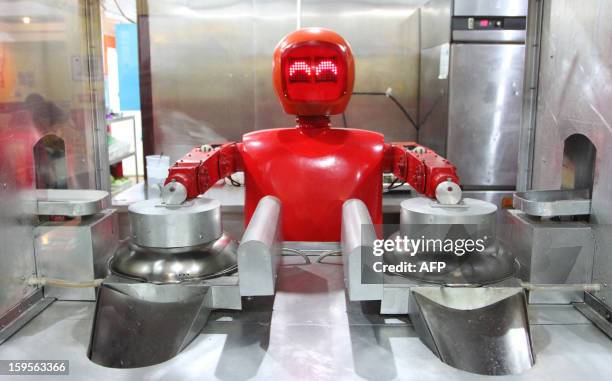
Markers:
{"x": 199, "y": 170}
{"x": 426, "y": 171}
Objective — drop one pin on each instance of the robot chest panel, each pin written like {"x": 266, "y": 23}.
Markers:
{"x": 333, "y": 164}
{"x": 312, "y": 175}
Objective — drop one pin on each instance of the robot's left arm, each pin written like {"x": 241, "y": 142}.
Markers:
{"x": 199, "y": 170}
{"x": 426, "y": 171}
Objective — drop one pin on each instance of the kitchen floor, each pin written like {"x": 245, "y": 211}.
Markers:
{"x": 309, "y": 332}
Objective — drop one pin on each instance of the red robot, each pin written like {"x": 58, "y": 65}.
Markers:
{"x": 313, "y": 168}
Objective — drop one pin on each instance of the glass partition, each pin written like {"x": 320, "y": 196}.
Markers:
{"x": 49, "y": 110}
{"x": 46, "y": 88}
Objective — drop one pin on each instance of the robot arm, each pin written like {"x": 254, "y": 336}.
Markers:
{"x": 199, "y": 170}
{"x": 426, "y": 171}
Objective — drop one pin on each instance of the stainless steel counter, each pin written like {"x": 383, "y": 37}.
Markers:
{"x": 231, "y": 197}
{"x": 232, "y": 204}
{"x": 309, "y": 332}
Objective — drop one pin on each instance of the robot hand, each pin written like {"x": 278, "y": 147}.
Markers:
{"x": 199, "y": 170}
{"x": 449, "y": 193}
{"x": 173, "y": 193}
{"x": 426, "y": 171}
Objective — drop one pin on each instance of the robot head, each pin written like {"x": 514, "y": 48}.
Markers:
{"x": 313, "y": 72}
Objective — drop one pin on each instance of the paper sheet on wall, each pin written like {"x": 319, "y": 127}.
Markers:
{"x": 444, "y": 61}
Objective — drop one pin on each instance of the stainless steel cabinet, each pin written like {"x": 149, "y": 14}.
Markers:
{"x": 484, "y": 112}
{"x": 471, "y": 83}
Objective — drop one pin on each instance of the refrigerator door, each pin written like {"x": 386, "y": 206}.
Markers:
{"x": 485, "y": 102}
{"x": 433, "y": 98}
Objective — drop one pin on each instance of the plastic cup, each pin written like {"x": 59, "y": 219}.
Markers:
{"x": 158, "y": 161}
{"x": 157, "y": 168}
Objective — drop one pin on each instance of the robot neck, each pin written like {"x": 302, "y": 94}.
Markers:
{"x": 318, "y": 121}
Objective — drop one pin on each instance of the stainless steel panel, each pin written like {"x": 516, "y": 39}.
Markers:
{"x": 510, "y": 8}
{"x": 553, "y": 203}
{"x": 574, "y": 97}
{"x": 494, "y": 197}
{"x": 489, "y": 35}
{"x": 225, "y": 293}
{"x": 231, "y": 71}
{"x": 550, "y": 252}
{"x": 211, "y": 66}
{"x": 433, "y": 100}
{"x": 45, "y": 88}
{"x": 202, "y": 72}
{"x": 77, "y": 251}
{"x": 70, "y": 202}
{"x": 384, "y": 37}
{"x": 436, "y": 23}
{"x": 530, "y": 91}
{"x": 486, "y": 85}
{"x": 272, "y": 20}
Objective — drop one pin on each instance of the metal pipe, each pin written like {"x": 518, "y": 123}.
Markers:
{"x": 294, "y": 252}
{"x": 35, "y": 281}
{"x": 586, "y": 287}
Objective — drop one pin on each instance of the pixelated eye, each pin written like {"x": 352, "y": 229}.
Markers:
{"x": 326, "y": 70}
{"x": 299, "y": 71}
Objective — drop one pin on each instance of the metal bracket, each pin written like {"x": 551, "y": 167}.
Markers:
{"x": 597, "y": 312}
{"x": 22, "y": 313}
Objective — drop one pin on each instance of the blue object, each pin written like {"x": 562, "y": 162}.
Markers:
{"x": 126, "y": 40}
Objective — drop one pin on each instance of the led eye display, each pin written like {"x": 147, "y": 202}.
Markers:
{"x": 314, "y": 72}
{"x": 299, "y": 70}
{"x": 326, "y": 70}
